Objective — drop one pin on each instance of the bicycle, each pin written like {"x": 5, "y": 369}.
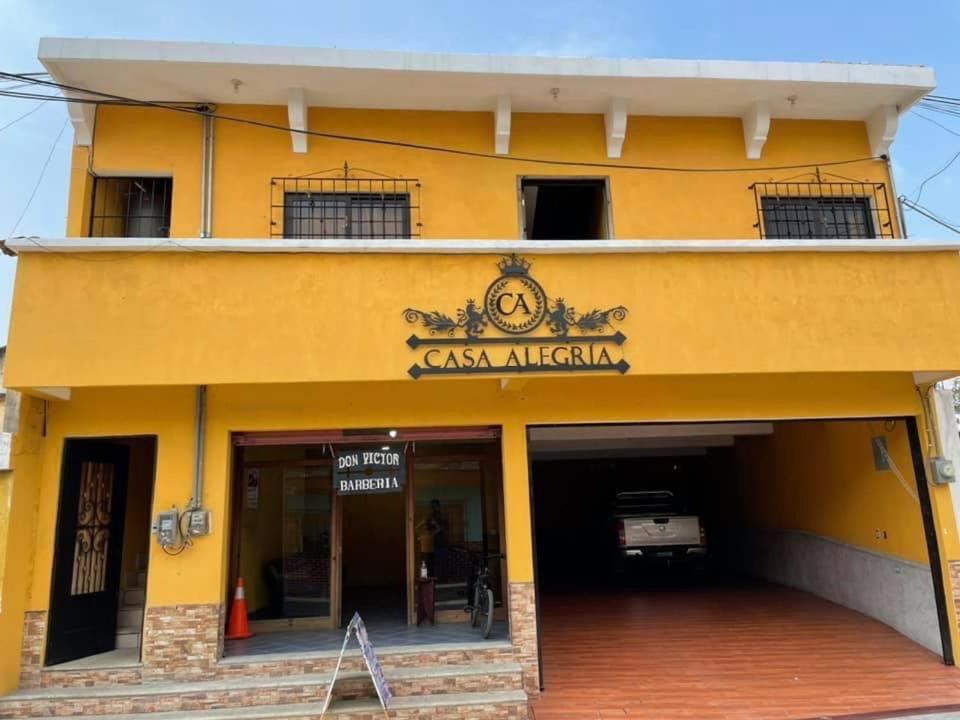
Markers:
{"x": 483, "y": 603}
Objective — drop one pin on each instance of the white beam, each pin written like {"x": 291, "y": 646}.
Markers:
{"x": 882, "y": 129}
{"x": 82, "y": 115}
{"x": 615, "y": 122}
{"x": 756, "y": 127}
{"x": 565, "y": 433}
{"x": 297, "y": 113}
{"x": 501, "y": 125}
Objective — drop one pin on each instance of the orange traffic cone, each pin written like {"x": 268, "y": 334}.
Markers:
{"x": 238, "y": 627}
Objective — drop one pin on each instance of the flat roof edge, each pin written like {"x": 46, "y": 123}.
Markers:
{"x": 60, "y": 49}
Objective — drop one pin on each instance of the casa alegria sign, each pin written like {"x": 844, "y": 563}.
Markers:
{"x": 516, "y": 328}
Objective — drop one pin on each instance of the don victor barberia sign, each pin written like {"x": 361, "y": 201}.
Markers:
{"x": 369, "y": 469}
{"x": 516, "y": 328}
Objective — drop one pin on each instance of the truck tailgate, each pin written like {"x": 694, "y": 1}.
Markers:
{"x": 667, "y": 530}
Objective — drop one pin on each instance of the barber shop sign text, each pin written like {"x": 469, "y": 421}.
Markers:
{"x": 369, "y": 469}
{"x": 500, "y": 335}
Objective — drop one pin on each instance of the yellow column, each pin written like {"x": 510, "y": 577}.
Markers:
{"x": 21, "y": 490}
{"x": 81, "y": 193}
{"x": 516, "y": 503}
{"x": 519, "y": 529}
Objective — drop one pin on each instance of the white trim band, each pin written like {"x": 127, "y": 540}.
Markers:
{"x": 472, "y": 247}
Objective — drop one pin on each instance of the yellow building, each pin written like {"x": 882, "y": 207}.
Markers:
{"x": 342, "y": 323}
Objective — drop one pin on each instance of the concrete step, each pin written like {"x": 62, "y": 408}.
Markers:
{"x": 130, "y": 617}
{"x": 137, "y": 579}
{"x": 252, "y": 691}
{"x": 505, "y": 705}
{"x": 128, "y": 638}
{"x": 484, "y": 652}
{"x": 134, "y": 597}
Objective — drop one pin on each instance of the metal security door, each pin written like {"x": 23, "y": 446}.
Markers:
{"x": 89, "y": 546}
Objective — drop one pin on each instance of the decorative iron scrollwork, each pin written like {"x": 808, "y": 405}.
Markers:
{"x": 516, "y": 304}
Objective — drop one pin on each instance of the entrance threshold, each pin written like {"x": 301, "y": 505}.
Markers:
{"x": 110, "y": 660}
{"x": 384, "y": 634}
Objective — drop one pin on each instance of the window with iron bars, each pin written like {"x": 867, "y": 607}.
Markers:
{"x": 131, "y": 207}
{"x": 325, "y": 208}
{"x": 822, "y": 210}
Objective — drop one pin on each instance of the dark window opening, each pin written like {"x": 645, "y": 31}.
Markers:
{"x": 807, "y": 218}
{"x": 822, "y": 210}
{"x": 131, "y": 207}
{"x": 346, "y": 215}
{"x": 564, "y": 209}
{"x": 382, "y": 208}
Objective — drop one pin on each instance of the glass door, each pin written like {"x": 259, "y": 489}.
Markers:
{"x": 306, "y": 547}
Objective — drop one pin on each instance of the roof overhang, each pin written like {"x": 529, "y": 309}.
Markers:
{"x": 265, "y": 75}
{"x": 204, "y": 72}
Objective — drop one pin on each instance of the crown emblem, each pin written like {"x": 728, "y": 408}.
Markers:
{"x": 513, "y": 265}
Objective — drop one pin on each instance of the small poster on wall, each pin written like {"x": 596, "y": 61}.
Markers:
{"x": 252, "y": 485}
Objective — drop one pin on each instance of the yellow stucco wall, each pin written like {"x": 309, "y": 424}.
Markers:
{"x": 819, "y": 477}
{"x": 185, "y": 318}
{"x": 200, "y": 574}
{"x": 470, "y": 197}
{"x": 168, "y": 414}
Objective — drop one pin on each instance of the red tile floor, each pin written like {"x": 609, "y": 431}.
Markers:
{"x": 753, "y": 652}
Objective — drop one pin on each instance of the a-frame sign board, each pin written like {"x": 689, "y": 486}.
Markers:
{"x": 357, "y": 628}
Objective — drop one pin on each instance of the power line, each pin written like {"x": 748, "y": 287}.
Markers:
{"x": 938, "y": 124}
{"x": 199, "y": 111}
{"x": 938, "y": 172}
{"x": 36, "y": 186}
{"x": 25, "y": 115}
{"x": 928, "y": 214}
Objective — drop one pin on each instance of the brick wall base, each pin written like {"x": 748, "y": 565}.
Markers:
{"x": 523, "y": 634}
{"x": 33, "y": 647}
{"x": 182, "y": 642}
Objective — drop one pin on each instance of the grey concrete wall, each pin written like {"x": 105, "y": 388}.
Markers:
{"x": 896, "y": 592}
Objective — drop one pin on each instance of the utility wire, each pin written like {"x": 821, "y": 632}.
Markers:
{"x": 931, "y": 177}
{"x": 417, "y": 146}
{"x": 928, "y": 214}
{"x": 25, "y": 115}
{"x": 938, "y": 124}
{"x": 36, "y": 186}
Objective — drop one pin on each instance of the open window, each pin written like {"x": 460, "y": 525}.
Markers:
{"x": 565, "y": 209}
{"x": 131, "y": 207}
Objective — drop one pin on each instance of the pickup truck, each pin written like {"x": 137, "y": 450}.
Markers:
{"x": 650, "y": 525}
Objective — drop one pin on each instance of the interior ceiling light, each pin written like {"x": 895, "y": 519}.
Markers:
{"x": 392, "y": 433}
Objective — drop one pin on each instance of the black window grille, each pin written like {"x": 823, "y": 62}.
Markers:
{"x": 379, "y": 208}
{"x": 131, "y": 207}
{"x": 827, "y": 210}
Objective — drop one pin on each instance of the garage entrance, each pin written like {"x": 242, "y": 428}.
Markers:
{"x": 749, "y": 570}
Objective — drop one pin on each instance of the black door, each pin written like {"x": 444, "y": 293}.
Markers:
{"x": 86, "y": 566}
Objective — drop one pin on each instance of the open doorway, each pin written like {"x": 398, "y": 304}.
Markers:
{"x": 767, "y": 558}
{"x": 565, "y": 208}
{"x": 374, "y": 557}
{"x": 317, "y": 534}
{"x": 98, "y": 591}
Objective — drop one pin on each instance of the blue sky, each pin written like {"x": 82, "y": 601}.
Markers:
{"x": 880, "y": 31}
